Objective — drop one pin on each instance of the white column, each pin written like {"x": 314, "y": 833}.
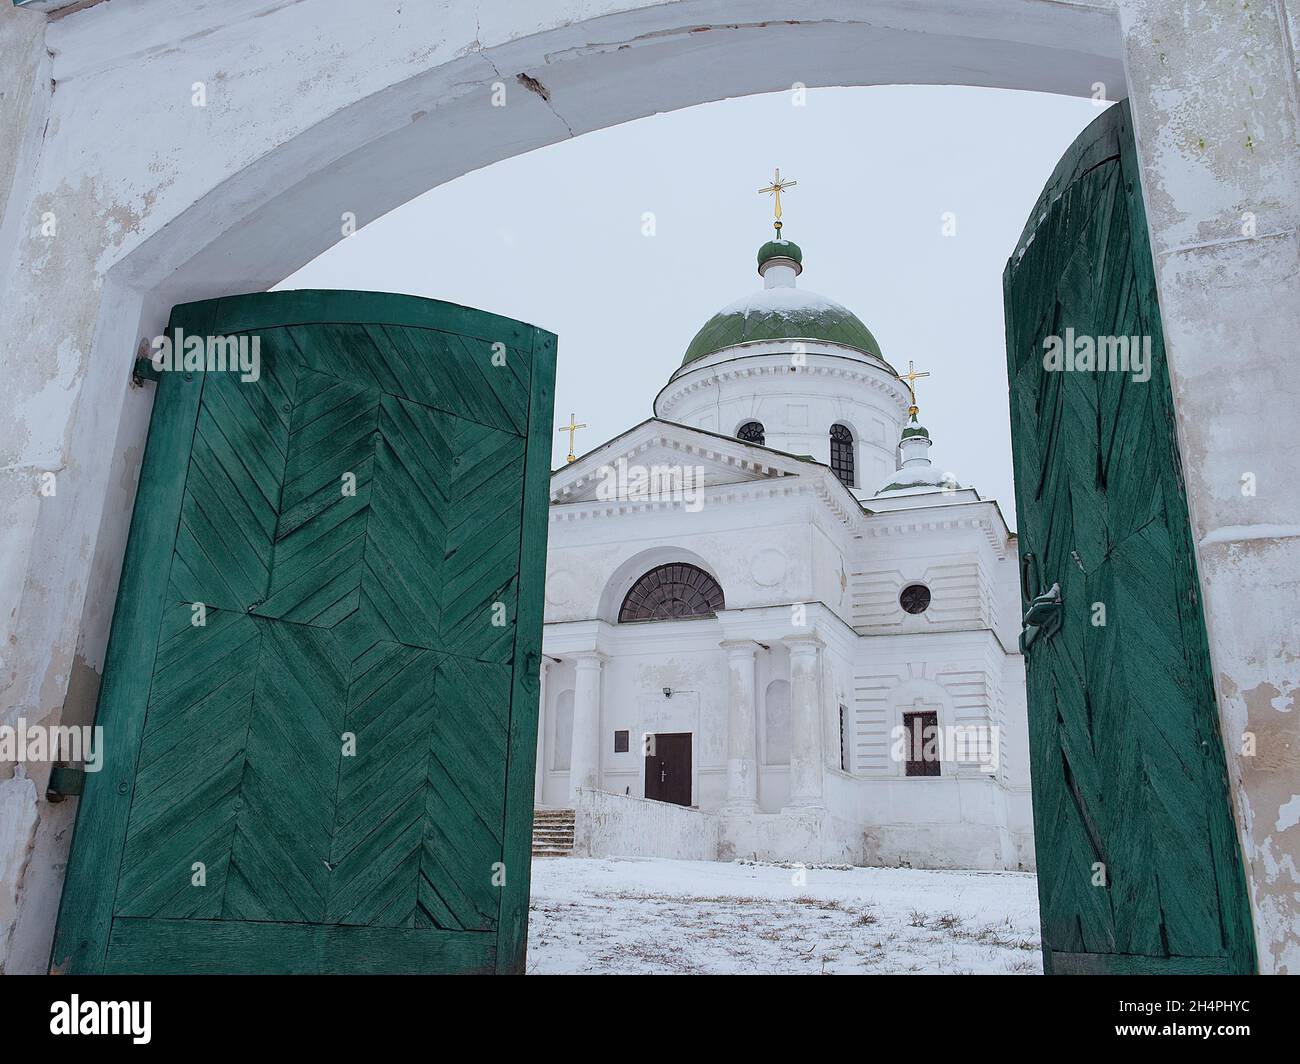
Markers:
{"x": 742, "y": 730}
{"x": 806, "y": 767}
{"x": 584, "y": 764}
{"x": 539, "y": 783}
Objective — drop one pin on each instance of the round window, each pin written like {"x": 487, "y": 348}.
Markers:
{"x": 915, "y": 598}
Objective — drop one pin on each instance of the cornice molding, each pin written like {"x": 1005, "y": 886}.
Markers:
{"x": 778, "y": 365}
{"x": 905, "y": 522}
{"x": 715, "y": 453}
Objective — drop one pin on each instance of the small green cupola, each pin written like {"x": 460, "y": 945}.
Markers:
{"x": 916, "y": 473}
{"x": 785, "y": 252}
{"x": 915, "y": 428}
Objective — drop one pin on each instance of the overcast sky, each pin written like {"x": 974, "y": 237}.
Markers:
{"x": 555, "y": 238}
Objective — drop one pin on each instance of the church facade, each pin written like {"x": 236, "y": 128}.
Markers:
{"x": 768, "y": 609}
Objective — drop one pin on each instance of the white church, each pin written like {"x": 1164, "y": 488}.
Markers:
{"x": 774, "y": 628}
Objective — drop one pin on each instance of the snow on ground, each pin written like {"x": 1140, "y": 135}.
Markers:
{"x": 644, "y": 915}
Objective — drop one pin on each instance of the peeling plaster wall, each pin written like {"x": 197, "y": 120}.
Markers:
{"x": 1213, "y": 87}
{"x": 317, "y": 107}
{"x": 25, "y": 95}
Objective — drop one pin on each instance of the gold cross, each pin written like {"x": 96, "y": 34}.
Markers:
{"x": 571, "y": 428}
{"x": 910, "y": 378}
{"x": 775, "y": 189}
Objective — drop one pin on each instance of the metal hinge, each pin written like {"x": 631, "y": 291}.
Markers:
{"x": 144, "y": 370}
{"x": 66, "y": 781}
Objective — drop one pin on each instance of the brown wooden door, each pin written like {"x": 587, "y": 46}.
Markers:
{"x": 922, "y": 731}
{"x": 668, "y": 768}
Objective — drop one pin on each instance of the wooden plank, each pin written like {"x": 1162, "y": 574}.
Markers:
{"x": 1126, "y": 755}
{"x": 312, "y": 306}
{"x": 1131, "y": 964}
{"x": 85, "y": 911}
{"x": 1225, "y": 844}
{"x": 244, "y": 769}
{"x": 512, "y": 923}
{"x": 236, "y": 947}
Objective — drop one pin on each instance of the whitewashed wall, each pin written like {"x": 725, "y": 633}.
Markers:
{"x": 375, "y": 103}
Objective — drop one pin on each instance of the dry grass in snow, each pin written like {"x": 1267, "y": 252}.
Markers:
{"x": 640, "y": 916}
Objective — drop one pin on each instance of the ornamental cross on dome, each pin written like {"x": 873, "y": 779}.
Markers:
{"x": 775, "y": 189}
{"x": 571, "y": 428}
{"x": 910, "y": 378}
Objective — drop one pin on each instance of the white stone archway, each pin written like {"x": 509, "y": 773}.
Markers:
{"x": 316, "y": 108}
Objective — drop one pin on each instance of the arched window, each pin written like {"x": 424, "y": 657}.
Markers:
{"x": 672, "y": 591}
{"x": 751, "y": 432}
{"x": 842, "y": 454}
{"x": 776, "y": 723}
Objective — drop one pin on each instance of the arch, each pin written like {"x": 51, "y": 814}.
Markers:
{"x": 674, "y": 591}
{"x": 378, "y": 141}
{"x": 776, "y": 723}
{"x": 368, "y": 121}
{"x": 365, "y": 122}
{"x": 752, "y": 432}
{"x": 632, "y": 568}
{"x": 843, "y": 458}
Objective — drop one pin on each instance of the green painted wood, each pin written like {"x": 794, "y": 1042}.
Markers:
{"x": 86, "y": 907}
{"x": 1123, "y": 964}
{"x": 197, "y": 947}
{"x": 512, "y": 924}
{"x": 1126, "y": 755}
{"x": 353, "y": 524}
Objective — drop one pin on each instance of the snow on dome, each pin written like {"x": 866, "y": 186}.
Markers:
{"x": 791, "y": 302}
{"x": 782, "y": 313}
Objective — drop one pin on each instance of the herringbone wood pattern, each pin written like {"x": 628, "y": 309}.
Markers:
{"x": 331, "y": 613}
{"x": 1127, "y": 761}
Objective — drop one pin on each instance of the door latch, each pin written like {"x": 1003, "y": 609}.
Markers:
{"x": 1042, "y": 618}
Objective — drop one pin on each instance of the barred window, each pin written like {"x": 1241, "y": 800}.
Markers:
{"x": 751, "y": 432}
{"x": 842, "y": 454}
{"x": 670, "y": 592}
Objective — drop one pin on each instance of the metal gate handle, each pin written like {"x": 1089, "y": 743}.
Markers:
{"x": 1042, "y": 618}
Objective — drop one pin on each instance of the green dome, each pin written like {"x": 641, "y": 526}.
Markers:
{"x": 780, "y": 249}
{"x": 781, "y": 314}
{"x": 916, "y": 430}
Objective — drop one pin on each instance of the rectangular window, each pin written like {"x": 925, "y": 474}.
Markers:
{"x": 923, "y": 745}
{"x": 844, "y": 739}
{"x": 620, "y": 742}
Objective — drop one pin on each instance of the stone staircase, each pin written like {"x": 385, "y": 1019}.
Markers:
{"x": 552, "y": 832}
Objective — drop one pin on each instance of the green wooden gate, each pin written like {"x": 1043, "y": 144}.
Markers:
{"x": 320, "y": 696}
{"x": 1139, "y": 868}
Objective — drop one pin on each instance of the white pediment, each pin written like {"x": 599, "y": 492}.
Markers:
{"x": 660, "y": 457}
